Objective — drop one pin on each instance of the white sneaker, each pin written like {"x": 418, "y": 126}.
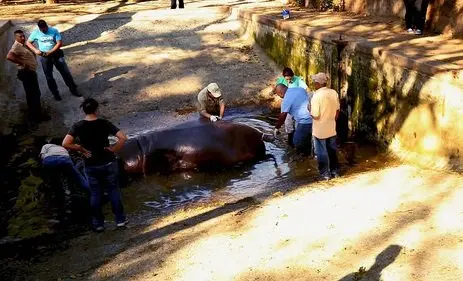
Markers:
{"x": 122, "y": 224}
{"x": 418, "y": 32}
{"x": 410, "y": 30}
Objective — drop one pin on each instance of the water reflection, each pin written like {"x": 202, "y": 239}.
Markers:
{"x": 162, "y": 192}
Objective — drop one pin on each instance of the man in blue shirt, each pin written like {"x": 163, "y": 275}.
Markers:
{"x": 296, "y": 102}
{"x": 48, "y": 40}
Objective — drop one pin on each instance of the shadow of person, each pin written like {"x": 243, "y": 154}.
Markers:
{"x": 383, "y": 260}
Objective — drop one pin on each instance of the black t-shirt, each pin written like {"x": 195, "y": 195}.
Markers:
{"x": 93, "y": 136}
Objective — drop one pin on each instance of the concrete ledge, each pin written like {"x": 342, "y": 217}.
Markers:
{"x": 6, "y": 76}
{"x": 361, "y": 44}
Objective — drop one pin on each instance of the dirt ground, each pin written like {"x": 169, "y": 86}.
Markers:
{"x": 152, "y": 60}
{"x": 382, "y": 221}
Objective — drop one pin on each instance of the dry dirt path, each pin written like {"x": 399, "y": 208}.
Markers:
{"x": 156, "y": 59}
{"x": 396, "y": 223}
{"x": 390, "y": 223}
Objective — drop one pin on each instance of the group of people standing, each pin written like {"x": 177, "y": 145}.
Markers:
{"x": 101, "y": 169}
{"x": 314, "y": 115}
{"x": 89, "y": 138}
{"x": 308, "y": 118}
{"x": 46, "y": 43}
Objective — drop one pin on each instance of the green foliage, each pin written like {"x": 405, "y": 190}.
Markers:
{"x": 29, "y": 221}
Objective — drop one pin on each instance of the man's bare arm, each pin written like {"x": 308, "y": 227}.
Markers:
{"x": 68, "y": 143}
{"x": 33, "y": 48}
{"x": 281, "y": 120}
{"x": 13, "y": 58}
{"x": 58, "y": 45}
{"x": 222, "y": 109}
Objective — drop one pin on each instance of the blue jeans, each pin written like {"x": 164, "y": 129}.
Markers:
{"x": 101, "y": 177}
{"x": 303, "y": 138}
{"x": 327, "y": 159}
{"x": 65, "y": 165}
{"x": 58, "y": 61}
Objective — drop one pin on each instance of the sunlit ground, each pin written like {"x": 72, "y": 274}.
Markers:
{"x": 318, "y": 232}
{"x": 397, "y": 223}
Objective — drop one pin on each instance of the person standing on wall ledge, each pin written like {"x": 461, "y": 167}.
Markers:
{"x": 291, "y": 81}
{"x": 24, "y": 57}
{"x": 210, "y": 103}
{"x": 173, "y": 4}
{"x": 415, "y": 15}
{"x": 101, "y": 166}
{"x": 325, "y": 109}
{"x": 49, "y": 44}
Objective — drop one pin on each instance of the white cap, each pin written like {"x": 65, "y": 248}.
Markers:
{"x": 213, "y": 88}
{"x": 320, "y": 77}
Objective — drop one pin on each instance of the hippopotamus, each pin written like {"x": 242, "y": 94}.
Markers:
{"x": 195, "y": 145}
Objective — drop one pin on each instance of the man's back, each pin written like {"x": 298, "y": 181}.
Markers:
{"x": 93, "y": 136}
{"x": 296, "y": 102}
{"x": 325, "y": 104}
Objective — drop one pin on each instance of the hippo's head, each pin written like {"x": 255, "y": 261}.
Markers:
{"x": 132, "y": 156}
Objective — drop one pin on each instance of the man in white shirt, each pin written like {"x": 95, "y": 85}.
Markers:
{"x": 324, "y": 110}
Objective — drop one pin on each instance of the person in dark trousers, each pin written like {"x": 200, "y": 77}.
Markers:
{"x": 415, "y": 15}
{"x": 101, "y": 167}
{"x": 24, "y": 57}
{"x": 173, "y": 4}
{"x": 49, "y": 44}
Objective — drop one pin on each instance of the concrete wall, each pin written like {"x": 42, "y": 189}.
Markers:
{"x": 7, "y": 79}
{"x": 413, "y": 109}
{"x": 443, "y": 15}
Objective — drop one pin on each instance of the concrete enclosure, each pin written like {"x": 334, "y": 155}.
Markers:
{"x": 7, "y": 76}
{"x": 410, "y": 107}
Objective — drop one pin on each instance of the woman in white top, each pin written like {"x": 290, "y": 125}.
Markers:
{"x": 56, "y": 157}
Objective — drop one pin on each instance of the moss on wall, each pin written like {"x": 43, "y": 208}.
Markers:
{"x": 403, "y": 109}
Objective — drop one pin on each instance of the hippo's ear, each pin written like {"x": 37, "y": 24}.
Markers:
{"x": 268, "y": 138}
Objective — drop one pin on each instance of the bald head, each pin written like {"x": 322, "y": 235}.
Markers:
{"x": 280, "y": 90}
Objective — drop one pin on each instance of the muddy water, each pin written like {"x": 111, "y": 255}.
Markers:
{"x": 161, "y": 193}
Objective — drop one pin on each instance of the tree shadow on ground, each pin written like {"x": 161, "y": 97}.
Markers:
{"x": 88, "y": 31}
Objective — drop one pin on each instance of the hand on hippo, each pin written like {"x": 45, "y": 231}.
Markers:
{"x": 214, "y": 118}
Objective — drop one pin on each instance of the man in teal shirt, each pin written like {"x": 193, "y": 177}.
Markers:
{"x": 48, "y": 40}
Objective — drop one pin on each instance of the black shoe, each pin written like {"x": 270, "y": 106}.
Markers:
{"x": 173, "y": 7}
{"x": 57, "y": 96}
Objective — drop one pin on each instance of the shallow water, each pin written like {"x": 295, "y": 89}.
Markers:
{"x": 162, "y": 193}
